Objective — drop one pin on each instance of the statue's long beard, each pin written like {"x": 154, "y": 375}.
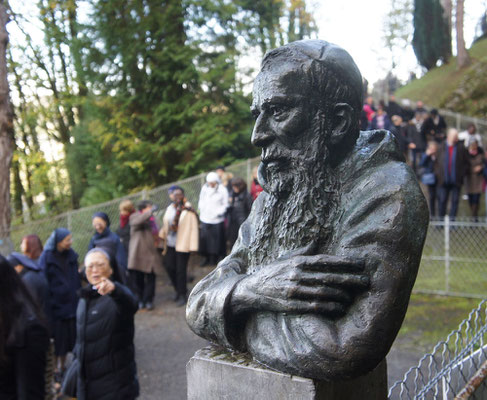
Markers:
{"x": 297, "y": 212}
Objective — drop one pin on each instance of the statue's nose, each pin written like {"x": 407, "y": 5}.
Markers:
{"x": 262, "y": 134}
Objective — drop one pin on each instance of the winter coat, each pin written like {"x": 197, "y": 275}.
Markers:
{"x": 105, "y": 345}
{"x": 63, "y": 279}
{"x": 387, "y": 123}
{"x": 461, "y": 164}
{"x": 120, "y": 253}
{"x": 432, "y": 130}
{"x": 187, "y": 238}
{"x": 34, "y": 279}
{"x": 213, "y": 203}
{"x": 124, "y": 235}
{"x": 238, "y": 212}
{"x": 416, "y": 136}
{"x": 255, "y": 189}
{"x": 475, "y": 180}
{"x": 22, "y": 377}
{"x": 143, "y": 255}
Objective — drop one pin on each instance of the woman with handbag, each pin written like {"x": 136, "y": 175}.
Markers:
{"x": 104, "y": 365}
{"x": 428, "y": 177}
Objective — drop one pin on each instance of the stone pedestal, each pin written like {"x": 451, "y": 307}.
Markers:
{"x": 214, "y": 373}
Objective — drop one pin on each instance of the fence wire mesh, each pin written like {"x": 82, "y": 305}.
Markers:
{"x": 448, "y": 370}
{"x": 454, "y": 260}
{"x": 79, "y": 221}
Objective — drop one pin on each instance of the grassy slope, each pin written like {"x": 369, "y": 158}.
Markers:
{"x": 439, "y": 83}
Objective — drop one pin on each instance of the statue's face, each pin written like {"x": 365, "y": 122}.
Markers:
{"x": 282, "y": 128}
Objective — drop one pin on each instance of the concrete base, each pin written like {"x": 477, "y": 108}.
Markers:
{"x": 214, "y": 373}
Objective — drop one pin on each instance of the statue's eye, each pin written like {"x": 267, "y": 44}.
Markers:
{"x": 277, "y": 110}
{"x": 255, "y": 114}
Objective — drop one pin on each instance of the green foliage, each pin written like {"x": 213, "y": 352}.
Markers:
{"x": 141, "y": 93}
{"x": 432, "y": 36}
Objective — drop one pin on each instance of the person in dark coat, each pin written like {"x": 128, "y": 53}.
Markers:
{"x": 434, "y": 127}
{"x": 393, "y": 108}
{"x": 239, "y": 208}
{"x": 24, "y": 340}
{"x": 450, "y": 169}
{"x": 428, "y": 177}
{"x": 104, "y": 352}
{"x": 31, "y": 246}
{"x": 126, "y": 209}
{"x": 60, "y": 264}
{"x": 381, "y": 120}
{"x": 416, "y": 139}
{"x": 33, "y": 278}
{"x": 101, "y": 224}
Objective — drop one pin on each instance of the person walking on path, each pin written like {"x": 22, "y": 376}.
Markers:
{"x": 144, "y": 257}
{"x": 31, "y": 246}
{"x": 104, "y": 365}
{"x": 24, "y": 339}
{"x": 103, "y": 234}
{"x": 428, "y": 177}
{"x": 60, "y": 264}
{"x": 474, "y": 179}
{"x": 213, "y": 203}
{"x": 255, "y": 187}
{"x": 239, "y": 209}
{"x": 179, "y": 233}
{"x": 450, "y": 169}
{"x": 33, "y": 278}
{"x": 126, "y": 209}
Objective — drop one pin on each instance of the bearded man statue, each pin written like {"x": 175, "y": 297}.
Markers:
{"x": 318, "y": 282}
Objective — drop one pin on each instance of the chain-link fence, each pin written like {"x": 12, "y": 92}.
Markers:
{"x": 456, "y": 367}
{"x": 79, "y": 221}
{"x": 461, "y": 122}
{"x": 454, "y": 259}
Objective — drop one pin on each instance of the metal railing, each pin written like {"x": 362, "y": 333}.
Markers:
{"x": 454, "y": 367}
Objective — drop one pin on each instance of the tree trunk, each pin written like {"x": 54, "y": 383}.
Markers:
{"x": 6, "y": 134}
{"x": 447, "y": 14}
{"x": 463, "y": 58}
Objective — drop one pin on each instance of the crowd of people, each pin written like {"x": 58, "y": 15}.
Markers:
{"x": 50, "y": 305}
{"x": 444, "y": 159}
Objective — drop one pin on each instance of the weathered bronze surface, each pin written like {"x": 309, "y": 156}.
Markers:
{"x": 318, "y": 282}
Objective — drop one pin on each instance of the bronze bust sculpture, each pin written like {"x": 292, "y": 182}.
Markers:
{"x": 319, "y": 280}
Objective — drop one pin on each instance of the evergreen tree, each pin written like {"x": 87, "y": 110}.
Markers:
{"x": 432, "y": 37}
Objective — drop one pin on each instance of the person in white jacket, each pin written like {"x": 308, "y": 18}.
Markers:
{"x": 213, "y": 203}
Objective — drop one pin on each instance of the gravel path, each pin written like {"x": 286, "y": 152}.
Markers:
{"x": 164, "y": 344}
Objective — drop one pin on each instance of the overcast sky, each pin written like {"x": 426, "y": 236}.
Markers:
{"x": 357, "y": 26}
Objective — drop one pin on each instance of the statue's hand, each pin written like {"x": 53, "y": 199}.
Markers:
{"x": 321, "y": 284}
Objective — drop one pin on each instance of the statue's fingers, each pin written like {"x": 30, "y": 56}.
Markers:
{"x": 338, "y": 279}
{"x": 320, "y": 293}
{"x": 324, "y": 262}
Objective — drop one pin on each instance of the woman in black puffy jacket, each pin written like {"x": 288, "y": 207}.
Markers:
{"x": 104, "y": 351}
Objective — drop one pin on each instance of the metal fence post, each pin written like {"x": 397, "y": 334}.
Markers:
{"x": 458, "y": 121}
{"x": 447, "y": 254}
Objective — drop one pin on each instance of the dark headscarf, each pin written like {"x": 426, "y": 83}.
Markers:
{"x": 56, "y": 236}
{"x": 102, "y": 215}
